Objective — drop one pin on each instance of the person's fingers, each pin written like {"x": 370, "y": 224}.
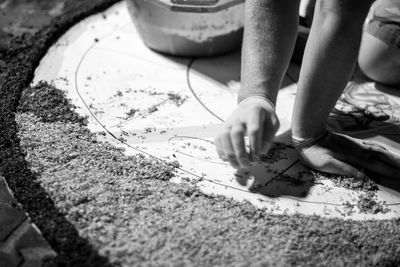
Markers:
{"x": 242, "y": 176}
{"x": 377, "y": 160}
{"x": 374, "y": 160}
{"x": 268, "y": 140}
{"x": 345, "y": 107}
{"x": 218, "y": 146}
{"x": 388, "y": 158}
{"x": 342, "y": 168}
{"x": 361, "y": 106}
{"x": 370, "y": 162}
{"x": 227, "y": 147}
{"x": 347, "y": 156}
{"x": 270, "y": 129}
{"x": 254, "y": 132}
{"x": 265, "y": 148}
{"x": 237, "y": 137}
{"x": 375, "y": 112}
{"x": 255, "y": 186}
{"x": 377, "y": 167}
{"x": 378, "y": 152}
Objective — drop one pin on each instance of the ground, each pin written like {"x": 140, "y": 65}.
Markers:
{"x": 97, "y": 207}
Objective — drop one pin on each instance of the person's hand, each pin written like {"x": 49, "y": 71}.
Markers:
{"x": 344, "y": 155}
{"x": 255, "y": 117}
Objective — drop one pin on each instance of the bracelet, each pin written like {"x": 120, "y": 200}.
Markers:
{"x": 258, "y": 99}
{"x": 301, "y": 143}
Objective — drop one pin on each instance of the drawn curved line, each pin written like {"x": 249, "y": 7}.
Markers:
{"x": 111, "y": 134}
{"x": 138, "y": 57}
{"x": 189, "y": 68}
{"x": 190, "y": 137}
{"x": 182, "y": 137}
{"x": 194, "y": 94}
{"x": 282, "y": 172}
{"x": 151, "y": 155}
{"x": 84, "y": 102}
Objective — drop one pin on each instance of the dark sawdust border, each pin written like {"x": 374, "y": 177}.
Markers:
{"x": 21, "y": 55}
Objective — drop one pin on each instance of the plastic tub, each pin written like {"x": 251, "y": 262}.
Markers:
{"x": 189, "y": 27}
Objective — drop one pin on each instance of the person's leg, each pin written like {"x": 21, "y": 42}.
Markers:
{"x": 379, "y": 56}
{"x": 306, "y": 12}
{"x": 379, "y": 61}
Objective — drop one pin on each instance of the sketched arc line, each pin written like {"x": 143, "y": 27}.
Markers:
{"x": 111, "y": 134}
{"x": 189, "y": 137}
{"x": 151, "y": 155}
{"x": 137, "y": 149}
{"x": 189, "y": 68}
{"x": 191, "y": 156}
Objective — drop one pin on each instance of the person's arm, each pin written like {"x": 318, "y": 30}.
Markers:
{"x": 269, "y": 35}
{"x": 328, "y": 62}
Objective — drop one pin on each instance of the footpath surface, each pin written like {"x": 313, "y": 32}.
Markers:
{"x": 21, "y": 243}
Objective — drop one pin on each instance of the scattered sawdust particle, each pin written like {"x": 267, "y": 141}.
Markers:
{"x": 276, "y": 153}
{"x": 368, "y": 203}
{"x": 348, "y": 208}
{"x": 175, "y": 164}
{"x": 118, "y": 93}
{"x": 124, "y": 133}
{"x": 148, "y": 130}
{"x": 152, "y": 109}
{"x": 177, "y": 98}
{"x": 131, "y": 112}
{"x": 351, "y": 183}
{"x": 49, "y": 104}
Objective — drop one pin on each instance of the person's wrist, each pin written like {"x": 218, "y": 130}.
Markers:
{"x": 305, "y": 142}
{"x": 307, "y": 129}
{"x": 257, "y": 89}
{"x": 259, "y": 100}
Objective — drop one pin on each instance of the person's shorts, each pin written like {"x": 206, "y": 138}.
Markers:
{"x": 384, "y": 21}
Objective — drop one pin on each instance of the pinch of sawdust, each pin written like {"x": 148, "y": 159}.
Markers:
{"x": 131, "y": 214}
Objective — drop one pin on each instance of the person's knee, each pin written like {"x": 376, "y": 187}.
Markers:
{"x": 379, "y": 61}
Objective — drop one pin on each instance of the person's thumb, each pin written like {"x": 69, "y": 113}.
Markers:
{"x": 271, "y": 126}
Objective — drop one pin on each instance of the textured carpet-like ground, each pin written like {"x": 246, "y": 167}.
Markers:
{"x": 126, "y": 209}
{"x": 98, "y": 207}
